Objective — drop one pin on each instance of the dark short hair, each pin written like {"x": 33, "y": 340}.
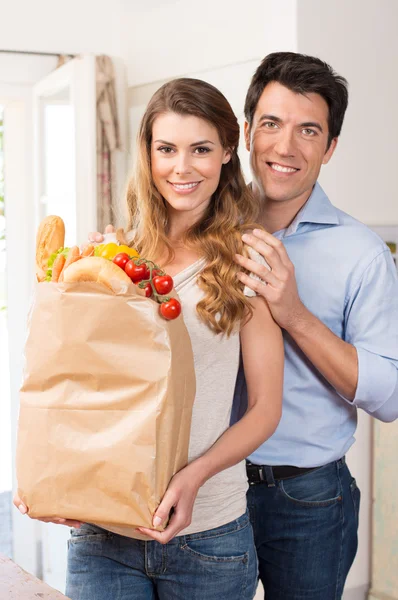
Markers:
{"x": 304, "y": 75}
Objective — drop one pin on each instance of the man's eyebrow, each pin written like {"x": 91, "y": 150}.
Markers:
{"x": 270, "y": 118}
{"x": 312, "y": 124}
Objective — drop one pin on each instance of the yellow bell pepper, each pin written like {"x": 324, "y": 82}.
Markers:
{"x": 110, "y": 250}
{"x": 130, "y": 251}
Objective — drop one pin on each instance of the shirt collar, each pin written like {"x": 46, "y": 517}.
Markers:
{"x": 318, "y": 209}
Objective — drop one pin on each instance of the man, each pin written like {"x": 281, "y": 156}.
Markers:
{"x": 332, "y": 287}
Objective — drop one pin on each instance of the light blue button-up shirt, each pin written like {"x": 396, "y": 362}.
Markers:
{"x": 347, "y": 278}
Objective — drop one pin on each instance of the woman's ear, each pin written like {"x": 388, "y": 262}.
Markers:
{"x": 227, "y": 156}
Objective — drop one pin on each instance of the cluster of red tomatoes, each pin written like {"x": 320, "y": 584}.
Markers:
{"x": 152, "y": 280}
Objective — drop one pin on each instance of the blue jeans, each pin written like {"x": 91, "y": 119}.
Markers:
{"x": 305, "y": 530}
{"x": 215, "y": 564}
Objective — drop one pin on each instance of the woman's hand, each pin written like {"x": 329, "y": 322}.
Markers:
{"x": 180, "y": 496}
{"x": 23, "y": 510}
{"x": 96, "y": 237}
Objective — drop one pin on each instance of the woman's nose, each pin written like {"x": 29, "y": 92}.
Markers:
{"x": 182, "y": 165}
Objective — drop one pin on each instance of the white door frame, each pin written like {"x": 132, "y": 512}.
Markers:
{"x": 82, "y": 100}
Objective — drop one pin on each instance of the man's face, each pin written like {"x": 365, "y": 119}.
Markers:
{"x": 288, "y": 142}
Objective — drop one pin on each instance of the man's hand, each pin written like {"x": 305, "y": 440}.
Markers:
{"x": 23, "y": 510}
{"x": 279, "y": 288}
{"x": 180, "y": 496}
{"x": 335, "y": 359}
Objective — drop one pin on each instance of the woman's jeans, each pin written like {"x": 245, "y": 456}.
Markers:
{"x": 212, "y": 565}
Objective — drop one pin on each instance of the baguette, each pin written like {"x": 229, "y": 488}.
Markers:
{"x": 50, "y": 238}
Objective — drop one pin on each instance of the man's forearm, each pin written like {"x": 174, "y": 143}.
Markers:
{"x": 335, "y": 359}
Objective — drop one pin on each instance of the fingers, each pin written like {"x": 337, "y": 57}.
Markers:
{"x": 96, "y": 237}
{"x": 254, "y": 284}
{"x": 269, "y": 247}
{"x": 176, "y": 524}
{"x": 66, "y": 522}
{"x": 23, "y": 509}
{"x": 260, "y": 270}
{"x": 17, "y": 502}
{"x": 162, "y": 513}
{"x": 179, "y": 520}
{"x": 155, "y": 535}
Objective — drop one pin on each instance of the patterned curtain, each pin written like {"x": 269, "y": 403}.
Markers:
{"x": 108, "y": 141}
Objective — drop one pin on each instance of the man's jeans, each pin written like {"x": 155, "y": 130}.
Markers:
{"x": 305, "y": 529}
{"x": 212, "y": 565}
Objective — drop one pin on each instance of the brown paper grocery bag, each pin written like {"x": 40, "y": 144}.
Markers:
{"x": 105, "y": 405}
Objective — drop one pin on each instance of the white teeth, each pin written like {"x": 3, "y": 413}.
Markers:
{"x": 185, "y": 186}
{"x": 277, "y": 167}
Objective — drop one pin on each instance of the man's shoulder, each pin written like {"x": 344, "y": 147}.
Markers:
{"x": 357, "y": 235}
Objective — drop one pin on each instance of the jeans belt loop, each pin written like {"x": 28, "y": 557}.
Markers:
{"x": 268, "y": 476}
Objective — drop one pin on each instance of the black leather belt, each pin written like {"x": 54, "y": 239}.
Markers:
{"x": 255, "y": 473}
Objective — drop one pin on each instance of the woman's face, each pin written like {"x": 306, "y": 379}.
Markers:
{"x": 187, "y": 157}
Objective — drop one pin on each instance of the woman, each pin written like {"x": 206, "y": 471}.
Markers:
{"x": 187, "y": 202}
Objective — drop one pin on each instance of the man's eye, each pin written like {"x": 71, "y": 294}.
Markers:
{"x": 309, "y": 132}
{"x": 269, "y": 125}
{"x": 165, "y": 149}
{"x": 202, "y": 150}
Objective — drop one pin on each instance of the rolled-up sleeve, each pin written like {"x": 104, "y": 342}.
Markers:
{"x": 372, "y": 327}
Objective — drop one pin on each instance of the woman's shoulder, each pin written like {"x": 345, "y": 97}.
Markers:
{"x": 258, "y": 258}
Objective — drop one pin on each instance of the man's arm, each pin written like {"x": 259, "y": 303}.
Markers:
{"x": 362, "y": 369}
{"x": 335, "y": 359}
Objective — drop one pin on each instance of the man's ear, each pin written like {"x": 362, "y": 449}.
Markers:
{"x": 246, "y": 129}
{"x": 330, "y": 151}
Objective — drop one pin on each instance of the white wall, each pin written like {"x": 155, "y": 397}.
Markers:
{"x": 72, "y": 27}
{"x": 170, "y": 38}
{"x": 359, "y": 39}
{"x": 224, "y": 50}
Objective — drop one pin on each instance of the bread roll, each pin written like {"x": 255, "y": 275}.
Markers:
{"x": 50, "y": 238}
{"x": 97, "y": 269}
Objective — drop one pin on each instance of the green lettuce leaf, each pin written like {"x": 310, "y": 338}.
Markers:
{"x": 64, "y": 251}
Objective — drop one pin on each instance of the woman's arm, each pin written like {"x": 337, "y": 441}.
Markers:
{"x": 262, "y": 350}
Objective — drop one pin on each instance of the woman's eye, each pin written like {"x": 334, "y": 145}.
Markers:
{"x": 202, "y": 150}
{"x": 165, "y": 149}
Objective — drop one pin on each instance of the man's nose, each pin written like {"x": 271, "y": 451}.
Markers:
{"x": 285, "y": 143}
{"x": 182, "y": 165}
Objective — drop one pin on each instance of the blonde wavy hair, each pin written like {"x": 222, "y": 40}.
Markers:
{"x": 217, "y": 236}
